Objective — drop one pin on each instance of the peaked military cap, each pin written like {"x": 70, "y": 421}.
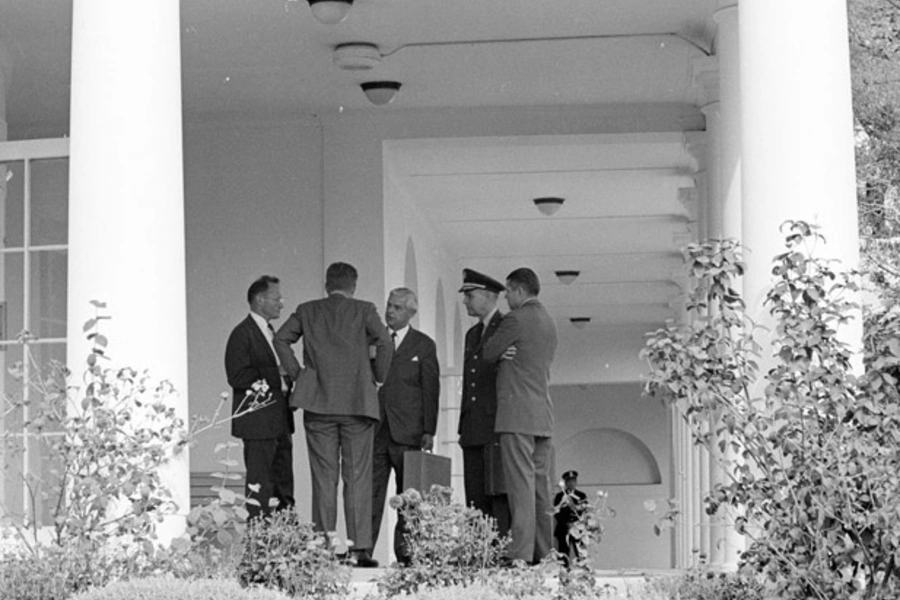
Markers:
{"x": 473, "y": 280}
{"x": 570, "y": 475}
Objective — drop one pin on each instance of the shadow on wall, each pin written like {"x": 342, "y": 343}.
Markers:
{"x": 608, "y": 456}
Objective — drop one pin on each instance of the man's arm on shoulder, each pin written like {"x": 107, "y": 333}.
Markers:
{"x": 378, "y": 336}
{"x": 506, "y": 335}
{"x": 239, "y": 367}
{"x": 289, "y": 332}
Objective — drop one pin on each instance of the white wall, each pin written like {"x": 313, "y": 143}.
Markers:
{"x": 252, "y": 206}
{"x": 629, "y": 541}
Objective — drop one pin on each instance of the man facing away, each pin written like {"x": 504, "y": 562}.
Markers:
{"x": 266, "y": 432}
{"x": 409, "y": 407}
{"x": 341, "y": 411}
{"x": 478, "y": 406}
{"x": 525, "y": 413}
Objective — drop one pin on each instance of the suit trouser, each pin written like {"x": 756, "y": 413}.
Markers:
{"x": 341, "y": 443}
{"x": 388, "y": 455}
{"x": 474, "y": 475}
{"x": 270, "y": 465}
{"x": 526, "y": 470}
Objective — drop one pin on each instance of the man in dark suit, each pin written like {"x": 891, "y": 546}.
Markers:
{"x": 478, "y": 406}
{"x": 525, "y": 344}
{"x": 409, "y": 406}
{"x": 340, "y": 409}
{"x": 266, "y": 431}
{"x": 568, "y": 505}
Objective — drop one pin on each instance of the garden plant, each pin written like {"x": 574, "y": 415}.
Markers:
{"x": 811, "y": 439}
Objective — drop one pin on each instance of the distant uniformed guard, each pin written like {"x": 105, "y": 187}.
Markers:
{"x": 479, "y": 400}
{"x": 568, "y": 505}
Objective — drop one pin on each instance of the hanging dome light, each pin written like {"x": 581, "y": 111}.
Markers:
{"x": 380, "y": 93}
{"x": 330, "y": 12}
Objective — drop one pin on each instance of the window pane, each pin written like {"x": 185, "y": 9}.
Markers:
{"x": 31, "y": 461}
{"x": 49, "y": 277}
{"x": 11, "y": 419}
{"x": 12, "y": 283}
{"x": 12, "y": 220}
{"x": 49, "y": 201}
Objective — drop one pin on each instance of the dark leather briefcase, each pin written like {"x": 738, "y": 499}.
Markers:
{"x": 421, "y": 470}
{"x": 493, "y": 471}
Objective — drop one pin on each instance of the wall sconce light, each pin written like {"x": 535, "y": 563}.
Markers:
{"x": 579, "y": 322}
{"x": 330, "y": 12}
{"x": 380, "y": 93}
{"x": 567, "y": 277}
{"x": 548, "y": 205}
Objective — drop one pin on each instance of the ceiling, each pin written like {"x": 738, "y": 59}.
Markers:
{"x": 622, "y": 220}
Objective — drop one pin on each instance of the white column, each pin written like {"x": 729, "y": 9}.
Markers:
{"x": 706, "y": 77}
{"x": 5, "y": 75}
{"x": 798, "y": 152}
{"x": 5, "y": 72}
{"x": 701, "y": 458}
{"x": 126, "y": 198}
{"x": 728, "y": 53}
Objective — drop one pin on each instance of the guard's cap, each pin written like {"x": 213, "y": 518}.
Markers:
{"x": 473, "y": 280}
{"x": 570, "y": 475}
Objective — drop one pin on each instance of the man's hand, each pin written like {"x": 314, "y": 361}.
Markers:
{"x": 509, "y": 354}
{"x": 427, "y": 442}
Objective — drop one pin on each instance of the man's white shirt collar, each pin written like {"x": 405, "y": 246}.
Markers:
{"x": 488, "y": 317}
{"x": 263, "y": 325}
{"x": 267, "y": 333}
{"x": 401, "y": 333}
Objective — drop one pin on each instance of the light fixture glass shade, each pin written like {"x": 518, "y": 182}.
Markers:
{"x": 330, "y": 12}
{"x": 380, "y": 93}
{"x": 548, "y": 205}
{"x": 357, "y": 56}
{"x": 567, "y": 277}
{"x": 580, "y": 322}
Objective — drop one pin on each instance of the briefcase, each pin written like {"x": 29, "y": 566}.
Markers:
{"x": 494, "y": 485}
{"x": 421, "y": 470}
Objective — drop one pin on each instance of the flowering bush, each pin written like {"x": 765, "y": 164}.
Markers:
{"x": 282, "y": 551}
{"x": 448, "y": 543}
{"x": 92, "y": 509}
{"x": 819, "y": 445}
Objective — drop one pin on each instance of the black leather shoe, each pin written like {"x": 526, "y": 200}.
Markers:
{"x": 364, "y": 561}
{"x": 511, "y": 563}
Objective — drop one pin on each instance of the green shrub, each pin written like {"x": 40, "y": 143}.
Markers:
{"x": 28, "y": 577}
{"x": 449, "y": 544}
{"x": 100, "y": 496}
{"x": 475, "y": 591}
{"x": 282, "y": 551}
{"x": 169, "y": 588}
{"x": 818, "y": 444}
{"x": 699, "y": 583}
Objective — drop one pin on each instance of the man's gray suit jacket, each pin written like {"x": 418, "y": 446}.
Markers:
{"x": 523, "y": 383}
{"x": 337, "y": 332}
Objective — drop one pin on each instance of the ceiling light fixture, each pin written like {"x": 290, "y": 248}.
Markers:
{"x": 548, "y": 205}
{"x": 330, "y": 12}
{"x": 357, "y": 56}
{"x": 380, "y": 93}
{"x": 580, "y": 322}
{"x": 567, "y": 277}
